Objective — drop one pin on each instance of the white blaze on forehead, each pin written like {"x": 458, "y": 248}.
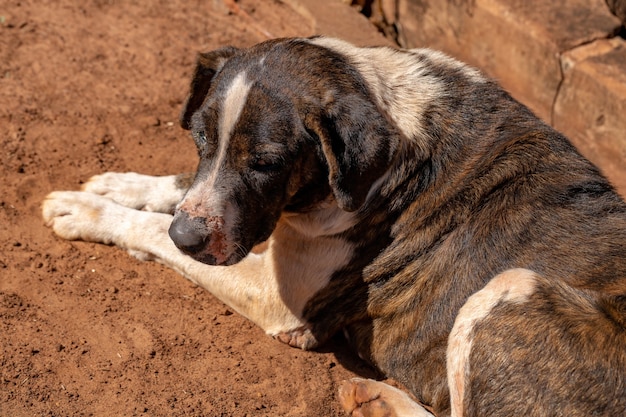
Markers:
{"x": 230, "y": 111}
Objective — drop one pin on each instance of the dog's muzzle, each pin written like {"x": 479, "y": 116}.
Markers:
{"x": 201, "y": 238}
{"x": 188, "y": 234}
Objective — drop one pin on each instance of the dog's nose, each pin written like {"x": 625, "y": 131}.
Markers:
{"x": 187, "y": 234}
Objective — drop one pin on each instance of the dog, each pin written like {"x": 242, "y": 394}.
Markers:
{"x": 464, "y": 247}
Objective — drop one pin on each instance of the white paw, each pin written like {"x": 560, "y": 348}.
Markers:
{"x": 366, "y": 397}
{"x": 137, "y": 191}
{"x": 75, "y": 215}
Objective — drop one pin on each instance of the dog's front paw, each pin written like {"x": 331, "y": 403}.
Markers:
{"x": 76, "y": 215}
{"x": 137, "y": 191}
{"x": 301, "y": 337}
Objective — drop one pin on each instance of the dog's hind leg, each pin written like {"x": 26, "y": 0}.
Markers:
{"x": 160, "y": 194}
{"x": 511, "y": 286}
{"x": 369, "y": 398}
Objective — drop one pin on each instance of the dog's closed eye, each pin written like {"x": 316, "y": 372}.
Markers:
{"x": 266, "y": 163}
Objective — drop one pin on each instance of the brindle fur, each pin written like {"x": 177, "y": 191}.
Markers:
{"x": 486, "y": 187}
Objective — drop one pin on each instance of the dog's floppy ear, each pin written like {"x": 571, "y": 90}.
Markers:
{"x": 207, "y": 65}
{"x": 359, "y": 145}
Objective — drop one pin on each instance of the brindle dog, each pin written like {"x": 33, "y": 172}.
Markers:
{"x": 464, "y": 247}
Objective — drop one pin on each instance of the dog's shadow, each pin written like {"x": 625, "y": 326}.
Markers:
{"x": 348, "y": 358}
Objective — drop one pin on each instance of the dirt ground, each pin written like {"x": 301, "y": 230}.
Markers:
{"x": 85, "y": 329}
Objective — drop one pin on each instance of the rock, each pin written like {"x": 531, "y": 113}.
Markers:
{"x": 555, "y": 57}
{"x": 591, "y": 105}
{"x": 618, "y": 8}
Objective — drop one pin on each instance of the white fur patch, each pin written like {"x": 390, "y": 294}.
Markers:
{"x": 515, "y": 286}
{"x": 297, "y": 274}
{"x": 401, "y": 83}
{"x": 142, "y": 192}
{"x": 439, "y": 57}
{"x": 328, "y": 220}
{"x": 232, "y": 106}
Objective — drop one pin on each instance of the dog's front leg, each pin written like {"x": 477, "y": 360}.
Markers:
{"x": 250, "y": 287}
{"x": 160, "y": 194}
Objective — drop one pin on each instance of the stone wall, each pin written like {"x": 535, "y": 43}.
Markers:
{"x": 565, "y": 60}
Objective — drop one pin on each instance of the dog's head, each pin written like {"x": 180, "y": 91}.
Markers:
{"x": 281, "y": 127}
